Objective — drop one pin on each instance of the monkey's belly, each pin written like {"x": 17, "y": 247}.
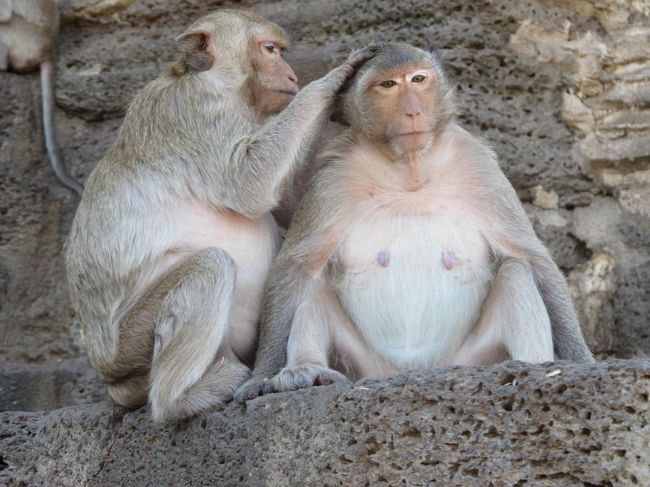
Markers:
{"x": 414, "y": 286}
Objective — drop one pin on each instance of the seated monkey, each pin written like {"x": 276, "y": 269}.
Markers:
{"x": 410, "y": 249}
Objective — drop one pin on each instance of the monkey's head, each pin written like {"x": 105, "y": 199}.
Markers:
{"x": 246, "y": 50}
{"x": 400, "y": 99}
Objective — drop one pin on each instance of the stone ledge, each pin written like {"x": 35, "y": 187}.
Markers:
{"x": 511, "y": 424}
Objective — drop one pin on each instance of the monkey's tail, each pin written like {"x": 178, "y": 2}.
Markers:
{"x": 47, "y": 96}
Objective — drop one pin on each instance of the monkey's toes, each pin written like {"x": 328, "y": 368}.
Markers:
{"x": 304, "y": 376}
{"x": 252, "y": 389}
{"x": 330, "y": 377}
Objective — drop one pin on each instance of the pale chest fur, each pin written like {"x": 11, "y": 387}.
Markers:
{"x": 413, "y": 282}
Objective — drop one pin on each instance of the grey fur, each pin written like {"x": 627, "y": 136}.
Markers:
{"x": 187, "y": 136}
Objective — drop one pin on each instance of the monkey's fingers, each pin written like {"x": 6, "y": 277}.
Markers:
{"x": 376, "y": 46}
{"x": 341, "y": 75}
{"x": 255, "y": 387}
{"x": 306, "y": 375}
{"x": 360, "y": 56}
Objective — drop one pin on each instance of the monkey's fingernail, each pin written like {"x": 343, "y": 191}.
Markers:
{"x": 383, "y": 258}
{"x": 449, "y": 259}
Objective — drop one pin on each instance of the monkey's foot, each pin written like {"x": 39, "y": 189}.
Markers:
{"x": 306, "y": 375}
{"x": 254, "y": 387}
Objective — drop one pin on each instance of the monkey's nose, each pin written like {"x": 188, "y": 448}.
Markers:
{"x": 413, "y": 114}
{"x": 293, "y": 78}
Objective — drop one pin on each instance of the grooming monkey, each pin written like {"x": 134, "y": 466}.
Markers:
{"x": 28, "y": 29}
{"x": 410, "y": 249}
{"x": 173, "y": 239}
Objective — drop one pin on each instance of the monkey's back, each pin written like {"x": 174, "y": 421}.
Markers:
{"x": 150, "y": 203}
{"x": 110, "y": 255}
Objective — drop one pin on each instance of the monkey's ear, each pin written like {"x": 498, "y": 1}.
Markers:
{"x": 195, "y": 49}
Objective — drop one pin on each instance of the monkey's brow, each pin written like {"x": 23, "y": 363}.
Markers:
{"x": 401, "y": 70}
{"x": 282, "y": 44}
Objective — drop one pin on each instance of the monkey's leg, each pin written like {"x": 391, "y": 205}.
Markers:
{"x": 309, "y": 345}
{"x": 192, "y": 365}
{"x": 514, "y": 320}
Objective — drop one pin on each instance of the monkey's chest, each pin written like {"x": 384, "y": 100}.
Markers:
{"x": 413, "y": 285}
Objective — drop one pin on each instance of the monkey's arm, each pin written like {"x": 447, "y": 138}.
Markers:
{"x": 295, "y": 191}
{"x": 262, "y": 163}
{"x": 515, "y": 237}
{"x": 294, "y": 277}
{"x": 568, "y": 340}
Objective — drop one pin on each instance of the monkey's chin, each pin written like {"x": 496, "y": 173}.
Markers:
{"x": 408, "y": 143}
{"x": 280, "y": 102}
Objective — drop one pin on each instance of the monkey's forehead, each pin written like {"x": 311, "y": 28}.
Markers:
{"x": 401, "y": 70}
{"x": 226, "y": 23}
{"x": 275, "y": 32}
{"x": 278, "y": 38}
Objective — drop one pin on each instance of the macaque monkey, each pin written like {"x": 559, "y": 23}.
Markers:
{"x": 28, "y": 29}
{"x": 173, "y": 239}
{"x": 410, "y": 249}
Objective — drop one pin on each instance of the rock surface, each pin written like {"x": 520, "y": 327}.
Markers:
{"x": 512, "y": 424}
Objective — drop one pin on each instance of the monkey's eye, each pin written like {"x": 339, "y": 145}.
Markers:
{"x": 389, "y": 83}
{"x": 270, "y": 48}
{"x": 418, "y": 78}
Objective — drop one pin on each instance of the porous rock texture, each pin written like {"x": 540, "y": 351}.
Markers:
{"x": 511, "y": 424}
{"x": 561, "y": 89}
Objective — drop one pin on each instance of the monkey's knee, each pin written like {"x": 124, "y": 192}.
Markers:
{"x": 209, "y": 268}
{"x": 515, "y": 278}
{"x": 201, "y": 298}
{"x": 514, "y": 268}
{"x": 214, "y": 258}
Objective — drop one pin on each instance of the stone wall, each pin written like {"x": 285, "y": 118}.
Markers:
{"x": 509, "y": 425}
{"x": 561, "y": 89}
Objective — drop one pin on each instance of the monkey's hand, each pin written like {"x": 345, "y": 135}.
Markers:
{"x": 337, "y": 78}
{"x": 306, "y": 375}
{"x": 254, "y": 387}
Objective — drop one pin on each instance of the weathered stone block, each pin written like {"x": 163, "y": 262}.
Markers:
{"x": 511, "y": 424}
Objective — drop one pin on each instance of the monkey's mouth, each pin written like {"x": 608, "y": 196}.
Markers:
{"x": 293, "y": 92}
{"x": 416, "y": 132}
